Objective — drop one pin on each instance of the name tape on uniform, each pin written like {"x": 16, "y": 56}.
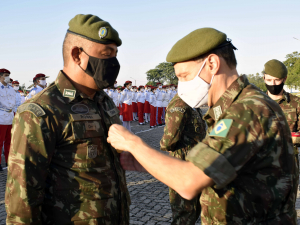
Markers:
{"x": 79, "y": 117}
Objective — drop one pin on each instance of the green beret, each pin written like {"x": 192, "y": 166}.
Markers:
{"x": 94, "y": 29}
{"x": 196, "y": 43}
{"x": 275, "y": 68}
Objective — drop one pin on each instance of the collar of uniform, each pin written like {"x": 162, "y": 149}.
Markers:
{"x": 283, "y": 98}
{"x": 39, "y": 87}
{"x": 228, "y": 97}
{"x": 65, "y": 87}
{"x": 2, "y": 86}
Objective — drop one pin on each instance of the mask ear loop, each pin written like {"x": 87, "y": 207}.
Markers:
{"x": 212, "y": 79}
{"x": 201, "y": 69}
{"x": 209, "y": 87}
{"x": 81, "y": 49}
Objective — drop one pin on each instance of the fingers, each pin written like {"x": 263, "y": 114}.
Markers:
{"x": 108, "y": 140}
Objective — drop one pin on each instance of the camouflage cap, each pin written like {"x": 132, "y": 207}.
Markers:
{"x": 94, "y": 29}
{"x": 275, "y": 68}
{"x": 197, "y": 43}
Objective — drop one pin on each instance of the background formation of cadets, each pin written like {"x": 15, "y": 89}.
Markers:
{"x": 146, "y": 104}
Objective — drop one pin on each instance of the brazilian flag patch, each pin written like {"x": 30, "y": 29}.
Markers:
{"x": 222, "y": 128}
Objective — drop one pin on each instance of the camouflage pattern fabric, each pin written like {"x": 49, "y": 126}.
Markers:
{"x": 61, "y": 168}
{"x": 184, "y": 129}
{"x": 249, "y": 154}
{"x": 290, "y": 105}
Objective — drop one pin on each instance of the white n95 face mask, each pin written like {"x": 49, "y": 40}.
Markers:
{"x": 195, "y": 92}
{"x": 43, "y": 83}
{"x": 7, "y": 80}
{"x": 115, "y": 85}
{"x": 16, "y": 88}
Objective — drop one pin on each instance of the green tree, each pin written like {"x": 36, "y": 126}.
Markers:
{"x": 292, "y": 63}
{"x": 155, "y": 75}
{"x": 258, "y": 81}
{"x": 152, "y": 83}
{"x": 168, "y": 72}
{"x": 22, "y": 87}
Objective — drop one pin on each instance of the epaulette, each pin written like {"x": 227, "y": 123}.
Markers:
{"x": 33, "y": 108}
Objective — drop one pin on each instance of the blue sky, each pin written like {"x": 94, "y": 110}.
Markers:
{"x": 32, "y": 31}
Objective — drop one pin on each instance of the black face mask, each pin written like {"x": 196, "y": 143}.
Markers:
{"x": 104, "y": 71}
{"x": 275, "y": 89}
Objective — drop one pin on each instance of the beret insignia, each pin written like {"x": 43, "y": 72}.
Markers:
{"x": 102, "y": 32}
{"x": 33, "y": 108}
{"x": 177, "y": 109}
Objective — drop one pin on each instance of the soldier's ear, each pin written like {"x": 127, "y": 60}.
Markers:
{"x": 75, "y": 53}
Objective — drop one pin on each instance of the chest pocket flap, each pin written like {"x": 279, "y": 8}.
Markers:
{"x": 86, "y": 126}
{"x": 290, "y": 114}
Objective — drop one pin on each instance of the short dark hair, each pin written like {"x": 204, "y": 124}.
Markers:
{"x": 125, "y": 84}
{"x": 73, "y": 40}
{"x": 225, "y": 52}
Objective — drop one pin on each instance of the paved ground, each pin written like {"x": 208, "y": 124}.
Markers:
{"x": 150, "y": 202}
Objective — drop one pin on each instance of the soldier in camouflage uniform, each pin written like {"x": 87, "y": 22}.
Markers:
{"x": 245, "y": 166}
{"x": 275, "y": 75}
{"x": 184, "y": 129}
{"x": 61, "y": 168}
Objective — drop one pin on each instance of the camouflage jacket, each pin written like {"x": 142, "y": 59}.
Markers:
{"x": 248, "y": 153}
{"x": 184, "y": 128}
{"x": 290, "y": 105}
{"x": 61, "y": 168}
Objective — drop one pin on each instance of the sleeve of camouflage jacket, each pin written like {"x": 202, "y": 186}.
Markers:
{"x": 33, "y": 144}
{"x": 298, "y": 117}
{"x": 173, "y": 130}
{"x": 222, "y": 158}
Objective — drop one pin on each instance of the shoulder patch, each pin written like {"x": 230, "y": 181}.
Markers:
{"x": 222, "y": 128}
{"x": 33, "y": 108}
{"x": 177, "y": 109}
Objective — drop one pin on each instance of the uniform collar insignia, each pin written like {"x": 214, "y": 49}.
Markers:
{"x": 228, "y": 97}
{"x": 65, "y": 87}
{"x": 69, "y": 93}
{"x": 217, "y": 112}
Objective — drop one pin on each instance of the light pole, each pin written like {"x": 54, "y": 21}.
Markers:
{"x": 134, "y": 81}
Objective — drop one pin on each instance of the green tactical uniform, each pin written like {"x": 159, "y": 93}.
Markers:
{"x": 184, "y": 129}
{"x": 61, "y": 168}
{"x": 290, "y": 105}
{"x": 249, "y": 154}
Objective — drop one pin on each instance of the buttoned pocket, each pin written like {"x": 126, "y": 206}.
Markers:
{"x": 88, "y": 138}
